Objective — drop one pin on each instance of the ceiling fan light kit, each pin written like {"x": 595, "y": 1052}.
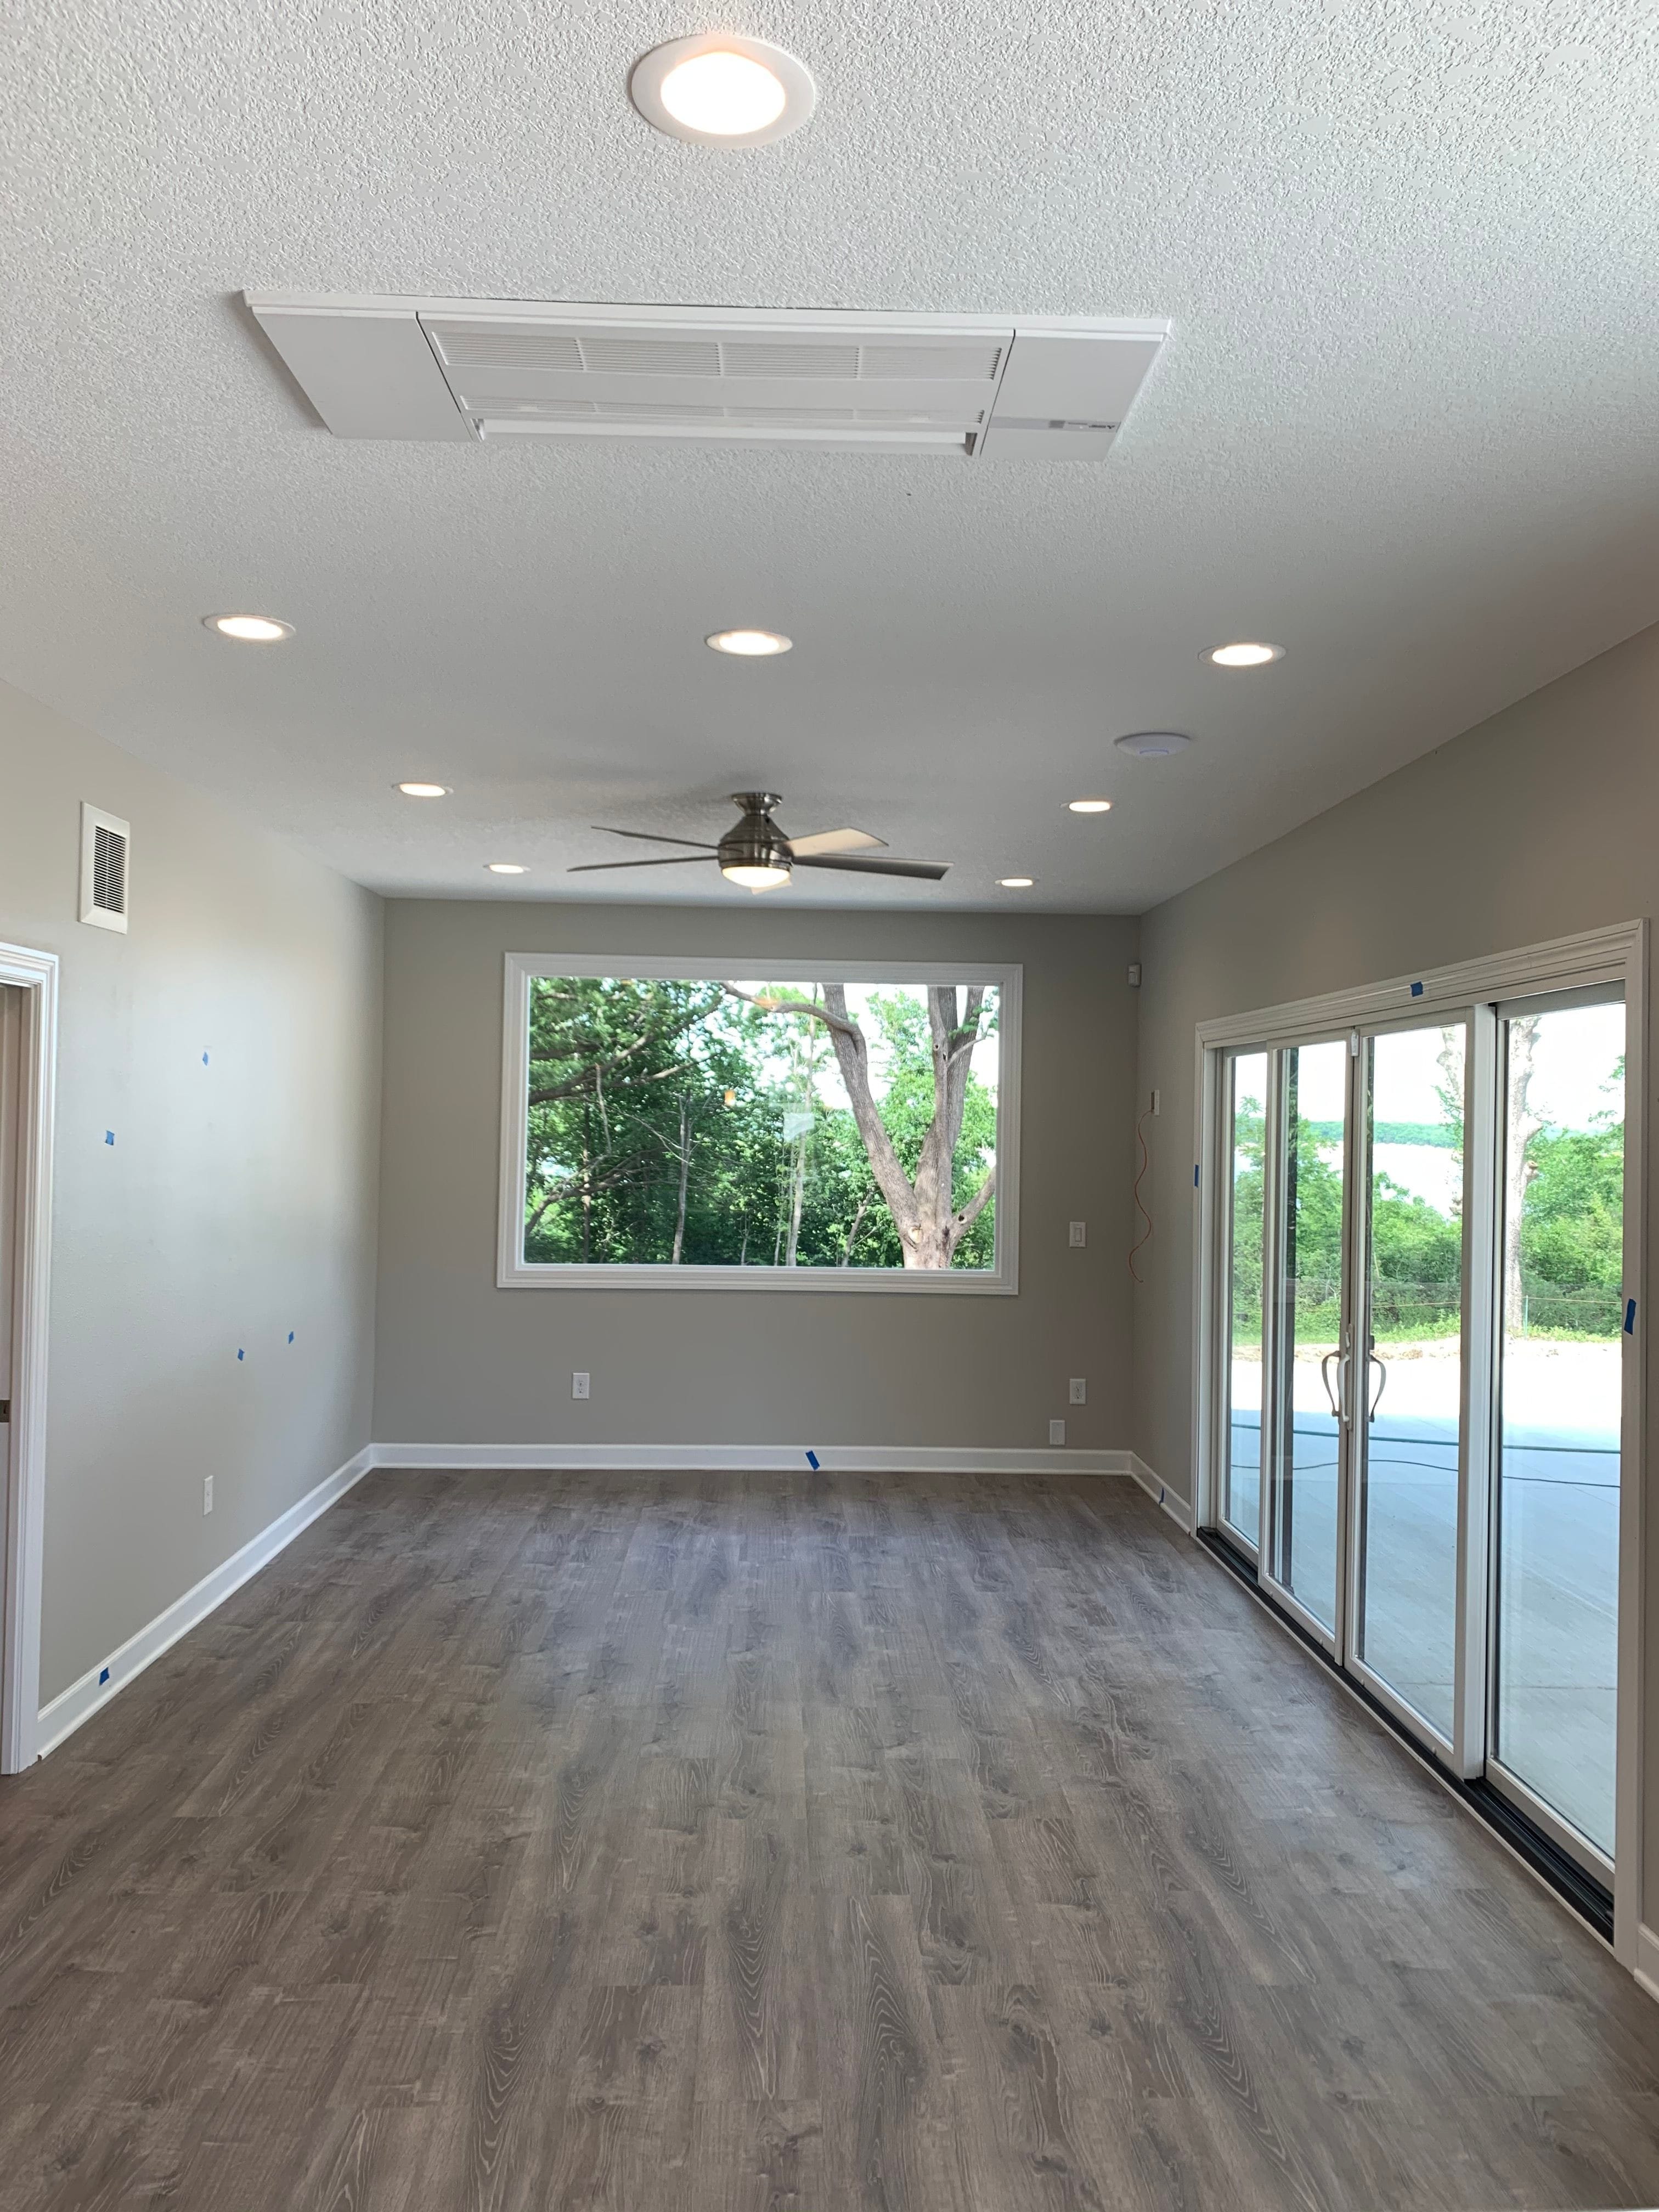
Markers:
{"x": 757, "y": 855}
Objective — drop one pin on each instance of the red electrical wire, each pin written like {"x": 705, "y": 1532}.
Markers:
{"x": 1146, "y": 1162}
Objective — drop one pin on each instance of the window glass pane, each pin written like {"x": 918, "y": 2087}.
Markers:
{"x": 1558, "y": 1505}
{"x": 1241, "y": 1505}
{"x": 761, "y": 1124}
{"x": 1407, "y": 1594}
{"x": 1304, "y": 1529}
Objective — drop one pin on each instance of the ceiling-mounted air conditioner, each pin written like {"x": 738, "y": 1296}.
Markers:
{"x": 997, "y": 387}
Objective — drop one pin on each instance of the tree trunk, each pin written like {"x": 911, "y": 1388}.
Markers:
{"x": 797, "y": 1190}
{"x": 1521, "y": 1126}
{"x": 685, "y": 1171}
{"x": 853, "y": 1233}
{"x": 930, "y": 1228}
{"x": 587, "y": 1206}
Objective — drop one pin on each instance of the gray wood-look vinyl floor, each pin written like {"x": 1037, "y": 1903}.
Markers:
{"x": 708, "y": 1842}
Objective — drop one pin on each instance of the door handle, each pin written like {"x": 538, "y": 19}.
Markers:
{"x": 1326, "y": 1379}
{"x": 1382, "y": 1366}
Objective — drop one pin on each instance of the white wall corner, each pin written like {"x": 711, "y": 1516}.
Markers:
{"x": 1178, "y": 1507}
{"x": 70, "y": 1708}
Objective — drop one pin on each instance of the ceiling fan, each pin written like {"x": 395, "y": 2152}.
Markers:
{"x": 756, "y": 854}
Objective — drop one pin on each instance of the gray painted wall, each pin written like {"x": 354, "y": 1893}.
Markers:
{"x": 237, "y": 1202}
{"x": 1543, "y": 821}
{"x": 459, "y": 1361}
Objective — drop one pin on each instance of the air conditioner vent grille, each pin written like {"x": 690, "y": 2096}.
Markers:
{"x": 106, "y": 842}
{"x": 443, "y": 369}
{"x": 779, "y": 357}
{"x": 649, "y": 356}
{"x": 109, "y": 871}
{"x": 595, "y": 353}
{"x": 969, "y": 364}
{"x": 463, "y": 349}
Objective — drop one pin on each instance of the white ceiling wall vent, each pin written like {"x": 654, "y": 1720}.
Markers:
{"x": 106, "y": 846}
{"x": 997, "y": 387}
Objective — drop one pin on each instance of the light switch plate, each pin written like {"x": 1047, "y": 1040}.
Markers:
{"x": 1056, "y": 1433}
{"x": 1079, "y": 1232}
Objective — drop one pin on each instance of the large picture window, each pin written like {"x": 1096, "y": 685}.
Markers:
{"x": 851, "y": 1127}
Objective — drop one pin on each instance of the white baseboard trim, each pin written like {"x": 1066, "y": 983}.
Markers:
{"x": 758, "y": 1459}
{"x": 71, "y": 1707}
{"x": 1647, "y": 1959}
{"x": 1178, "y": 1507}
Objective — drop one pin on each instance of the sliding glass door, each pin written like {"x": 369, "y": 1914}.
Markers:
{"x": 1310, "y": 1346}
{"x": 1243, "y": 1324}
{"x": 1417, "y": 1377}
{"x": 1410, "y": 1401}
{"x": 1555, "y": 1583}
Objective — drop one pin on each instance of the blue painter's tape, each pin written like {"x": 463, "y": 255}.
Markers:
{"x": 109, "y": 1136}
{"x": 290, "y": 1336}
{"x": 239, "y": 1352}
{"x": 1417, "y": 990}
{"x": 1630, "y": 1316}
{"x": 812, "y": 1460}
{"x": 103, "y": 1676}
{"x": 205, "y": 1060}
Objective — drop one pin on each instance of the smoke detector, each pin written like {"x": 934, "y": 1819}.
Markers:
{"x": 999, "y": 387}
{"x": 1152, "y": 745}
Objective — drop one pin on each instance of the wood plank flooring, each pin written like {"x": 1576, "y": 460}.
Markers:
{"x": 714, "y": 1842}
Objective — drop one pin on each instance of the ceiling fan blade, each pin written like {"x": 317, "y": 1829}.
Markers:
{"x": 833, "y": 840}
{"x": 650, "y": 837}
{"x": 860, "y": 864}
{"x": 671, "y": 860}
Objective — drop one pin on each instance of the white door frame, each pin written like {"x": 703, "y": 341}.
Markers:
{"x": 1620, "y": 954}
{"x": 36, "y": 975}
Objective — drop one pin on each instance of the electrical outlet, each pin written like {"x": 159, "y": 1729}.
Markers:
{"x": 1079, "y": 1389}
{"x": 207, "y": 1494}
{"x": 579, "y": 1384}
{"x": 1056, "y": 1433}
{"x": 1079, "y": 1233}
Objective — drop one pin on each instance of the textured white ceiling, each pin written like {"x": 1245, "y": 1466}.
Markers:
{"x": 1407, "y": 424}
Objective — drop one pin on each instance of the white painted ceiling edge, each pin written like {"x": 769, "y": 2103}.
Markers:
{"x": 1405, "y": 426}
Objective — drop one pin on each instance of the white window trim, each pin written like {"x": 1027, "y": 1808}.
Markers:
{"x": 1616, "y": 954}
{"x": 513, "y": 1272}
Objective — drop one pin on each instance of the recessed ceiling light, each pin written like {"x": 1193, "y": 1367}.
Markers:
{"x": 249, "y": 629}
{"x": 719, "y": 91}
{"x": 505, "y": 868}
{"x": 1247, "y": 654}
{"x": 1016, "y": 883}
{"x": 1088, "y": 805}
{"x": 750, "y": 644}
{"x": 1153, "y": 745}
{"x": 424, "y": 790}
